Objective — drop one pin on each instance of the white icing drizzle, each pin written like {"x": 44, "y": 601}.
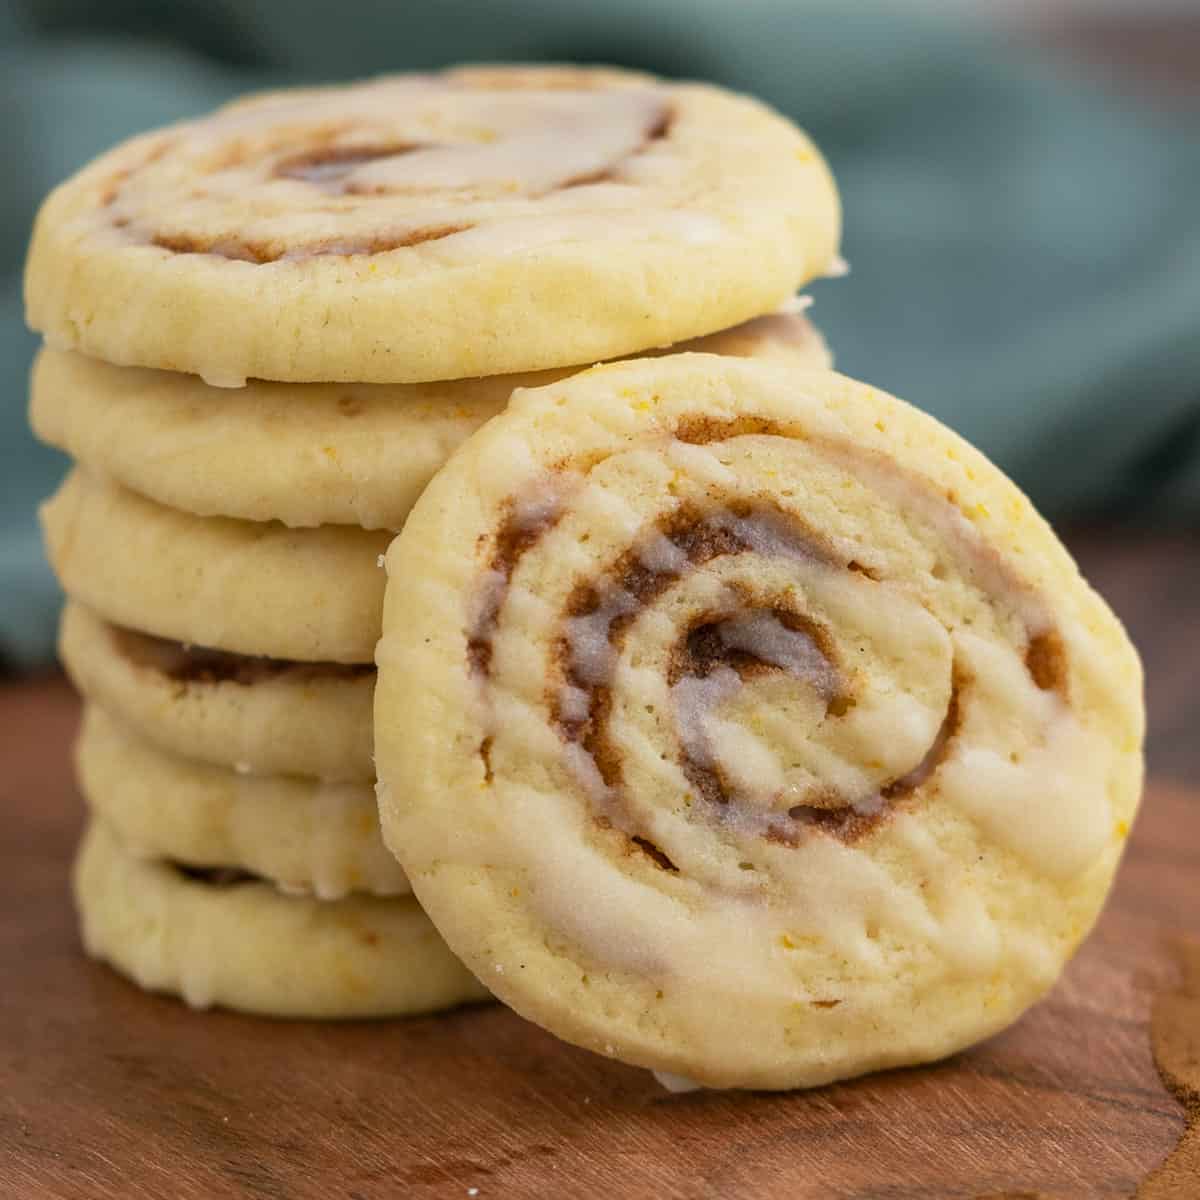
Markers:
{"x": 696, "y": 697}
{"x": 762, "y": 634}
{"x": 573, "y": 703}
{"x": 227, "y": 381}
{"x": 195, "y": 973}
{"x": 797, "y": 304}
{"x": 592, "y": 654}
{"x": 677, "y": 1083}
{"x": 489, "y": 593}
{"x": 537, "y": 507}
{"x": 583, "y": 766}
{"x": 581, "y": 134}
{"x": 766, "y": 533}
{"x": 659, "y": 554}
{"x": 1015, "y": 735}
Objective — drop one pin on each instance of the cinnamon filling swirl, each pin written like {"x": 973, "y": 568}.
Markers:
{"x": 186, "y": 664}
{"x": 751, "y": 636}
{"x": 527, "y": 520}
{"x": 389, "y": 165}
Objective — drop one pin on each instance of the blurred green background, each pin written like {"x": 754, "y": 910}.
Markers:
{"x": 1023, "y": 228}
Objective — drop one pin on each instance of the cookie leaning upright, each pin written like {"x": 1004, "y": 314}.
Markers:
{"x": 476, "y": 222}
{"x": 744, "y": 723}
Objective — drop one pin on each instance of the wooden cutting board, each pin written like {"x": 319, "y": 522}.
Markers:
{"x": 107, "y": 1092}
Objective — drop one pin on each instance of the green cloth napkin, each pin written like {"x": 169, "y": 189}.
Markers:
{"x": 1025, "y": 246}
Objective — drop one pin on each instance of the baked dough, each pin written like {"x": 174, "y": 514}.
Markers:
{"x": 744, "y": 723}
{"x": 257, "y": 715}
{"x": 247, "y": 946}
{"x": 304, "y": 836}
{"x": 249, "y": 587}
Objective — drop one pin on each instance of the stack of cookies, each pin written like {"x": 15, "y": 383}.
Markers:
{"x": 266, "y": 331}
{"x": 730, "y": 717}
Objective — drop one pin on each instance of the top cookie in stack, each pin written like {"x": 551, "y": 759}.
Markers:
{"x": 373, "y": 268}
{"x": 479, "y": 222}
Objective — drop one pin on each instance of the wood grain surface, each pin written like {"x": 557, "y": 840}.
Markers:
{"x": 107, "y": 1092}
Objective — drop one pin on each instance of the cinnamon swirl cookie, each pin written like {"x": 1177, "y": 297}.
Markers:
{"x": 304, "y": 836}
{"x": 255, "y": 588}
{"x": 256, "y": 715}
{"x": 314, "y": 454}
{"x": 218, "y": 937}
{"x": 475, "y": 222}
{"x": 744, "y": 723}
